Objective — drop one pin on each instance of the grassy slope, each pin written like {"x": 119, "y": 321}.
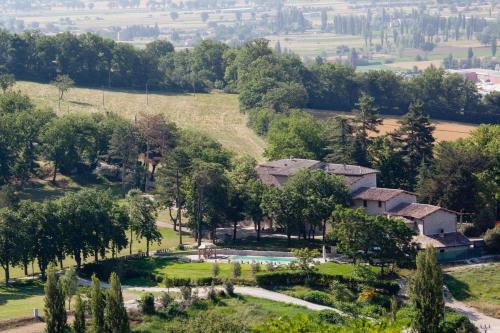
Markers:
{"x": 216, "y": 114}
{"x": 478, "y": 287}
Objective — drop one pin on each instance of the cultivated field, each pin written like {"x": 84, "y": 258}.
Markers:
{"x": 215, "y": 114}
{"x": 445, "y": 130}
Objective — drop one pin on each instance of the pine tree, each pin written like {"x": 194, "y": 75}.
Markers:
{"x": 340, "y": 141}
{"x": 55, "y": 312}
{"x": 115, "y": 314}
{"x": 494, "y": 46}
{"x": 416, "y": 139}
{"x": 367, "y": 119}
{"x": 426, "y": 293}
{"x": 97, "y": 303}
{"x": 79, "y": 323}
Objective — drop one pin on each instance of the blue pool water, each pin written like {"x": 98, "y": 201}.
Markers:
{"x": 280, "y": 260}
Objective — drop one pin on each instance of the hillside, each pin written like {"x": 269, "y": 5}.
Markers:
{"x": 215, "y": 114}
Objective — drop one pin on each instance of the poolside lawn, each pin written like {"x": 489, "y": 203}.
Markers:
{"x": 341, "y": 269}
{"x": 172, "y": 268}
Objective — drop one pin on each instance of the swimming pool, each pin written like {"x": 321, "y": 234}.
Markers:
{"x": 278, "y": 260}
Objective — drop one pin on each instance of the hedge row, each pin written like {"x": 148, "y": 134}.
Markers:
{"x": 204, "y": 281}
{"x": 291, "y": 278}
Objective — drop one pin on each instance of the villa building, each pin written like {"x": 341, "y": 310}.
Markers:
{"x": 435, "y": 225}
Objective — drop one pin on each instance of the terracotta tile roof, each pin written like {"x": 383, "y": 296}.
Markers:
{"x": 376, "y": 193}
{"x": 415, "y": 210}
{"x": 349, "y": 170}
{"x": 352, "y": 179}
{"x": 292, "y": 166}
{"x": 268, "y": 171}
{"x": 451, "y": 239}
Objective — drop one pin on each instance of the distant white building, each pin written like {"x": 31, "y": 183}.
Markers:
{"x": 435, "y": 225}
{"x": 487, "y": 80}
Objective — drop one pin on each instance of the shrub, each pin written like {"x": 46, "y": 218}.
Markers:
{"x": 176, "y": 281}
{"x": 270, "y": 267}
{"x": 367, "y": 294}
{"x": 372, "y": 310}
{"x": 470, "y": 230}
{"x": 293, "y": 278}
{"x": 212, "y": 294}
{"x": 492, "y": 240}
{"x": 166, "y": 300}
{"x": 255, "y": 267}
{"x": 331, "y": 317}
{"x": 454, "y": 322}
{"x": 186, "y": 293}
{"x": 318, "y": 297}
{"x": 341, "y": 292}
{"x": 229, "y": 287}
{"x": 158, "y": 278}
{"x": 215, "y": 269}
{"x": 363, "y": 272}
{"x": 236, "y": 269}
{"x": 147, "y": 304}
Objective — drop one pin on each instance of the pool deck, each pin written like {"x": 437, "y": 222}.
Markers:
{"x": 251, "y": 259}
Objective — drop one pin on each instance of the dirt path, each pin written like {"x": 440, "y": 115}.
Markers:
{"x": 477, "y": 318}
{"x": 31, "y": 328}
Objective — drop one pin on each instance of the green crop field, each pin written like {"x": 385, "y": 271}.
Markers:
{"x": 215, "y": 114}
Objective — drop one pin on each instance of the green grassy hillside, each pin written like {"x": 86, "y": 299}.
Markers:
{"x": 215, "y": 114}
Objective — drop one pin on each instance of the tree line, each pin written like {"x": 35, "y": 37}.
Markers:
{"x": 269, "y": 83}
{"x": 266, "y": 80}
{"x": 415, "y": 29}
{"x": 82, "y": 224}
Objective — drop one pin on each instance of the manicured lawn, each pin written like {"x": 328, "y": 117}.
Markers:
{"x": 170, "y": 240}
{"x": 173, "y": 268}
{"x": 20, "y": 298}
{"x": 478, "y": 287}
{"x": 340, "y": 269}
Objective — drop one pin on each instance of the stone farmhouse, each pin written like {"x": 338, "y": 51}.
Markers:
{"x": 435, "y": 225}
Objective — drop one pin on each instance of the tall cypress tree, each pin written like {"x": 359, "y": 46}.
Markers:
{"x": 97, "y": 303}
{"x": 426, "y": 293}
{"x": 115, "y": 314}
{"x": 79, "y": 323}
{"x": 55, "y": 312}
{"x": 416, "y": 139}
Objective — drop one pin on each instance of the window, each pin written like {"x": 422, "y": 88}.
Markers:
{"x": 365, "y": 203}
{"x": 380, "y": 203}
